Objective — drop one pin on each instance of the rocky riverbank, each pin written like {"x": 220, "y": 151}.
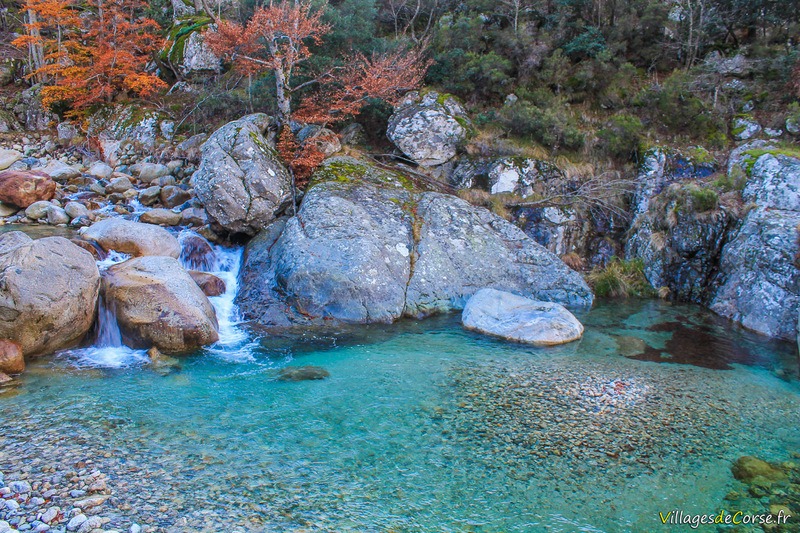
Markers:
{"x": 375, "y": 243}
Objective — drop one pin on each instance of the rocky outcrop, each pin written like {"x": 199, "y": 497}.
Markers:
{"x": 678, "y": 226}
{"x": 520, "y": 319}
{"x": 157, "y": 303}
{"x": 428, "y": 128}
{"x": 366, "y": 246}
{"x": 133, "y": 238}
{"x": 21, "y": 188}
{"x": 30, "y": 111}
{"x": 759, "y": 278}
{"x": 185, "y": 51}
{"x": 48, "y": 292}
{"x": 240, "y": 181}
{"x": 679, "y": 240}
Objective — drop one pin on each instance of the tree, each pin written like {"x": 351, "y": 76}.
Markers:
{"x": 276, "y": 40}
{"x": 89, "y": 58}
{"x": 52, "y": 33}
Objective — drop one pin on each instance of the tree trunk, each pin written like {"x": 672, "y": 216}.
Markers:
{"x": 35, "y": 50}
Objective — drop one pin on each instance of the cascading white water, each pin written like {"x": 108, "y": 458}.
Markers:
{"x": 108, "y": 351}
{"x": 234, "y": 344}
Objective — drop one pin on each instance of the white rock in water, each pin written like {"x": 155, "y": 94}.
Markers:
{"x": 520, "y": 319}
{"x": 76, "y": 522}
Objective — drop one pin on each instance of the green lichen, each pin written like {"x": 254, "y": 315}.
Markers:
{"x": 259, "y": 141}
{"x": 750, "y": 157}
{"x": 700, "y": 156}
{"x": 348, "y": 170}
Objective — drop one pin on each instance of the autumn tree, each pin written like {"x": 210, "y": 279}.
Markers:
{"x": 52, "y": 34}
{"x": 88, "y": 57}
{"x": 277, "y": 40}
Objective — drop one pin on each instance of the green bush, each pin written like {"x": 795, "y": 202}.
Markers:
{"x": 622, "y": 137}
{"x": 621, "y": 279}
{"x": 551, "y": 127}
{"x": 703, "y": 198}
{"x": 674, "y": 106}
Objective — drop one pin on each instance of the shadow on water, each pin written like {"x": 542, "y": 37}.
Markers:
{"x": 691, "y": 335}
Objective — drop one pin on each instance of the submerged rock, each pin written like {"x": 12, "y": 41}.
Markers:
{"x": 134, "y": 238}
{"x": 48, "y": 292}
{"x": 240, "y": 181}
{"x": 157, "y": 303}
{"x": 748, "y": 469}
{"x": 302, "y": 373}
{"x": 366, "y": 247}
{"x": 520, "y": 319}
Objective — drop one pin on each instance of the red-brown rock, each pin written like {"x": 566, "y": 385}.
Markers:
{"x": 209, "y": 283}
{"x": 11, "y": 360}
{"x": 22, "y": 188}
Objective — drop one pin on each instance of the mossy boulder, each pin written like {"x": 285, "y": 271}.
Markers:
{"x": 749, "y": 469}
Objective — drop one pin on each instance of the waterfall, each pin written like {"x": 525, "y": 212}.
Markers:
{"x": 197, "y": 253}
{"x": 108, "y": 333}
{"x": 107, "y": 350}
{"x": 234, "y": 344}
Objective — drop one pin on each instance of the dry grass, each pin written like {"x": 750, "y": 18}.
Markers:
{"x": 574, "y": 261}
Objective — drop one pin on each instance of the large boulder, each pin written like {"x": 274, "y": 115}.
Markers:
{"x": 520, "y": 319}
{"x": 461, "y": 248}
{"x": 759, "y": 279}
{"x": 133, "y": 238}
{"x": 428, "y": 128}
{"x": 157, "y": 303}
{"x": 22, "y": 188}
{"x": 240, "y": 181}
{"x": 48, "y": 292}
{"x": 366, "y": 246}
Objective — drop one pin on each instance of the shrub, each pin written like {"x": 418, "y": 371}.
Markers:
{"x": 621, "y": 279}
{"x": 622, "y": 137}
{"x": 551, "y": 127}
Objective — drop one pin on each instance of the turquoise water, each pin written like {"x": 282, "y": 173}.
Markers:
{"x": 422, "y": 427}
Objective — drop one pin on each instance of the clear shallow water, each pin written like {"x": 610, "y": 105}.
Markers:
{"x": 422, "y": 427}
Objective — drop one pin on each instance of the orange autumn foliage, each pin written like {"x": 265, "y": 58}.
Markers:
{"x": 347, "y": 90}
{"x": 95, "y": 55}
{"x": 302, "y": 159}
{"x": 276, "y": 40}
